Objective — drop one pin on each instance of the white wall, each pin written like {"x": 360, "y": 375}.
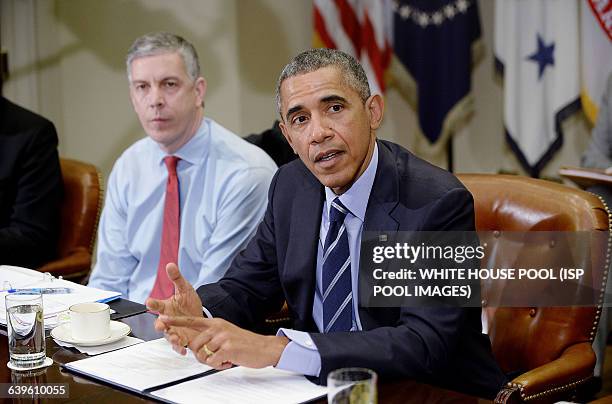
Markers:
{"x": 67, "y": 62}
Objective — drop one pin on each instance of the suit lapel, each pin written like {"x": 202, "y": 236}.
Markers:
{"x": 384, "y": 196}
{"x": 302, "y": 247}
{"x": 380, "y": 216}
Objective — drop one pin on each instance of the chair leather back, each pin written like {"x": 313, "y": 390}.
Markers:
{"x": 80, "y": 214}
{"x": 527, "y": 337}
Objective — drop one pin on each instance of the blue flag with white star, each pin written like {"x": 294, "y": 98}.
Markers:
{"x": 536, "y": 54}
{"x": 436, "y": 44}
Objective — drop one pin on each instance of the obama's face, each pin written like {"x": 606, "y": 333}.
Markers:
{"x": 329, "y": 126}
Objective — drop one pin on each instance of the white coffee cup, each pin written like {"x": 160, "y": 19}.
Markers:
{"x": 89, "y": 321}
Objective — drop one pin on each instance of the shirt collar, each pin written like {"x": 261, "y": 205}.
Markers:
{"x": 356, "y": 197}
{"x": 196, "y": 149}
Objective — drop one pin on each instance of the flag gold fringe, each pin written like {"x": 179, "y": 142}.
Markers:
{"x": 588, "y": 106}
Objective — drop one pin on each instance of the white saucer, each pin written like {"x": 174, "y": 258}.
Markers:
{"x": 47, "y": 362}
{"x": 118, "y": 330}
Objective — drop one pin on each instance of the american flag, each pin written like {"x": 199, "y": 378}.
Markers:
{"x": 361, "y": 28}
{"x": 424, "y": 48}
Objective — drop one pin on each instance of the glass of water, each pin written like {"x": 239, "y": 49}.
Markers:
{"x": 26, "y": 330}
{"x": 351, "y": 386}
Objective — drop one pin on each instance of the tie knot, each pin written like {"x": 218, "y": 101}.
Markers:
{"x": 171, "y": 162}
{"x": 338, "y": 211}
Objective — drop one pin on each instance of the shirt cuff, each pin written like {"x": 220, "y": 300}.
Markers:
{"x": 301, "y": 354}
{"x": 206, "y": 312}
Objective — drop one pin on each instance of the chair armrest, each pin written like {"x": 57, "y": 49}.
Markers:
{"x": 76, "y": 264}
{"x": 280, "y": 317}
{"x": 573, "y": 367}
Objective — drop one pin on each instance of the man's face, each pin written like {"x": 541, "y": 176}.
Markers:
{"x": 329, "y": 127}
{"x": 168, "y": 103}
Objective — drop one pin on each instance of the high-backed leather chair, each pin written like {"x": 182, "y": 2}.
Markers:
{"x": 79, "y": 220}
{"x": 549, "y": 348}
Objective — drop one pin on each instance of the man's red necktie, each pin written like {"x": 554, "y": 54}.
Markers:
{"x": 163, "y": 287}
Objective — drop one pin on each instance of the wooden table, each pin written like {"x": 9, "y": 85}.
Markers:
{"x": 82, "y": 390}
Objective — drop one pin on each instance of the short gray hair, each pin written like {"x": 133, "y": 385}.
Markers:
{"x": 156, "y": 43}
{"x": 315, "y": 59}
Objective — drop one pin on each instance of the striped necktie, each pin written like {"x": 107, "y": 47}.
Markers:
{"x": 337, "y": 292}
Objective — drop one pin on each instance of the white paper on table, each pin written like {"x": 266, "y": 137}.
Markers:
{"x": 100, "y": 349}
{"x": 244, "y": 385}
{"x": 140, "y": 366}
{"x": 53, "y": 304}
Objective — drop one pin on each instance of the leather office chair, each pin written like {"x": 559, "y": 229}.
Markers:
{"x": 80, "y": 214}
{"x": 548, "y": 347}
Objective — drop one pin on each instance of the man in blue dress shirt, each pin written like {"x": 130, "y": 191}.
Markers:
{"x": 222, "y": 180}
{"x": 306, "y": 250}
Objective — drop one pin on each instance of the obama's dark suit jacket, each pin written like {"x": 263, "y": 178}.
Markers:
{"x": 440, "y": 346}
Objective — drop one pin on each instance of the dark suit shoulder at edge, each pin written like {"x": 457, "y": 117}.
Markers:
{"x": 15, "y": 119}
{"x": 420, "y": 172}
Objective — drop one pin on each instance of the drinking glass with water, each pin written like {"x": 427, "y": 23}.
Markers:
{"x": 26, "y": 330}
{"x": 352, "y": 386}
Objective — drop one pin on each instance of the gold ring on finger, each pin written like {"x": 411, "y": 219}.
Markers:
{"x": 207, "y": 351}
